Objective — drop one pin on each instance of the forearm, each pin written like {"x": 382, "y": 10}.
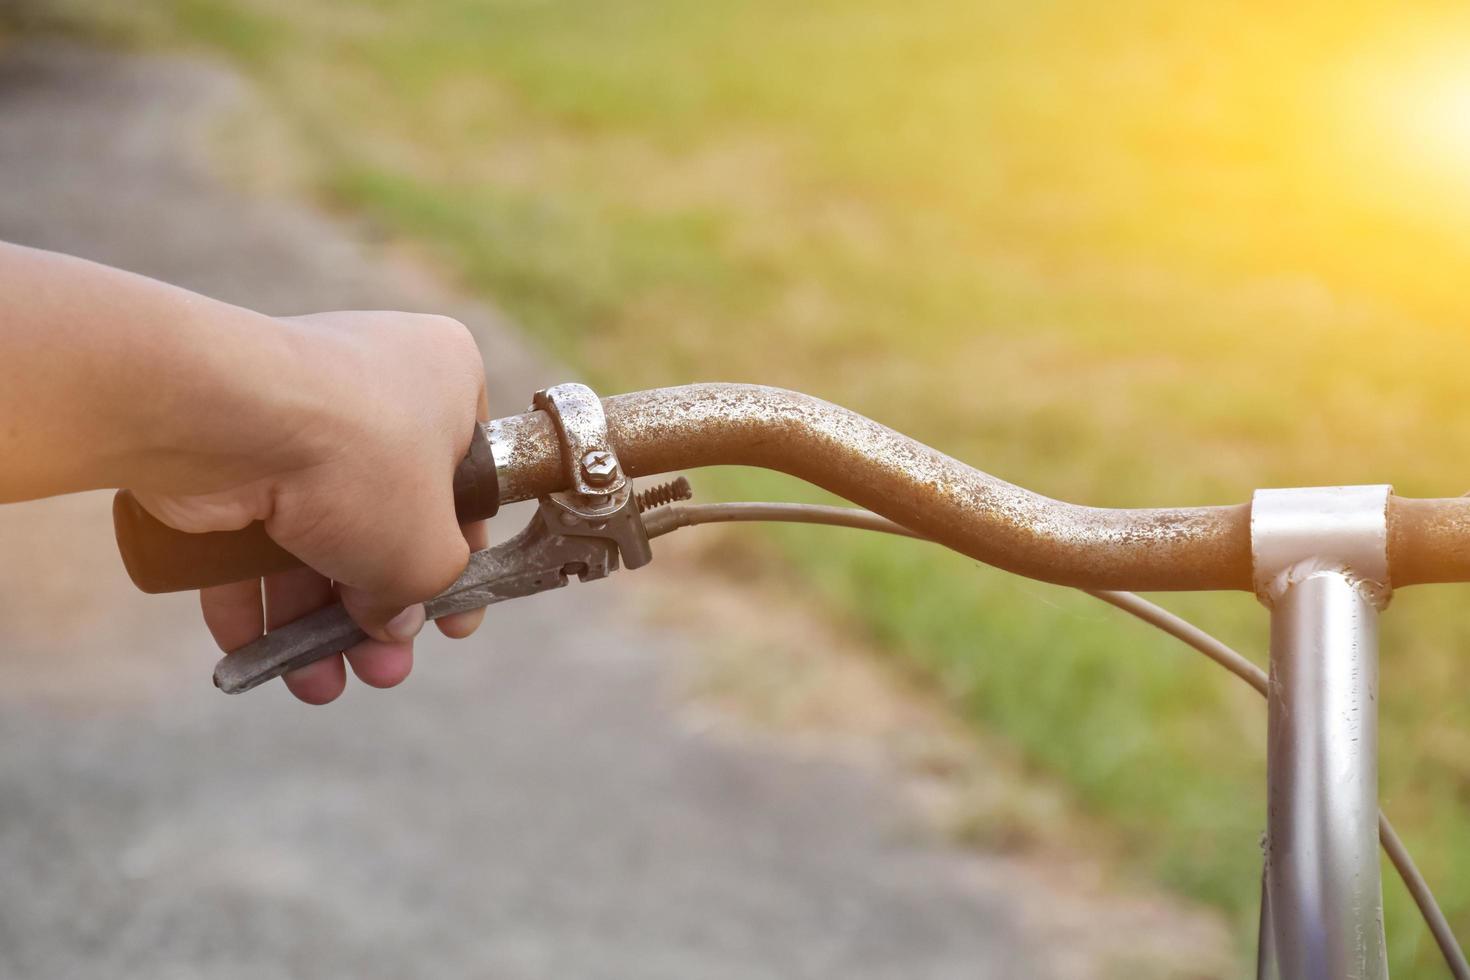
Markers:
{"x": 111, "y": 379}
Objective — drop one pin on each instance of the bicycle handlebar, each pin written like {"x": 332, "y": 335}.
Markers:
{"x": 986, "y": 518}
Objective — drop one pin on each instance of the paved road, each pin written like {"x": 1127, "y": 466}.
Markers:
{"x": 528, "y": 806}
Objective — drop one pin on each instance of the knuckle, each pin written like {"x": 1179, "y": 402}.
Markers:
{"x": 440, "y": 570}
{"x": 425, "y": 569}
{"x": 457, "y": 342}
{"x": 446, "y": 330}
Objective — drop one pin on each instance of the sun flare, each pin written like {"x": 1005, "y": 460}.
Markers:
{"x": 1414, "y": 118}
{"x": 1434, "y": 118}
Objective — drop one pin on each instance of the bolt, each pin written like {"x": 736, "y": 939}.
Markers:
{"x": 600, "y": 467}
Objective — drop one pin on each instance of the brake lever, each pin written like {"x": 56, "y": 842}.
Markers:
{"x": 570, "y": 534}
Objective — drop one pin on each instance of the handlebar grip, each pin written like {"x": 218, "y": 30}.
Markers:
{"x": 160, "y": 558}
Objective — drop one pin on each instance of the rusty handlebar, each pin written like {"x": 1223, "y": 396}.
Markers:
{"x": 986, "y": 518}
{"x": 1144, "y": 549}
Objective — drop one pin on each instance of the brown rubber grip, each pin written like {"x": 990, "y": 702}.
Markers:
{"x": 160, "y": 558}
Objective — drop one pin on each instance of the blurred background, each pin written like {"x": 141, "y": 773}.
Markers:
{"x": 1138, "y": 253}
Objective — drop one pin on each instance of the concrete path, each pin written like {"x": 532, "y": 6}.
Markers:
{"x": 529, "y": 805}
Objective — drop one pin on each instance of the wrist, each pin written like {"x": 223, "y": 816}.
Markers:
{"x": 159, "y": 389}
{"x": 245, "y": 399}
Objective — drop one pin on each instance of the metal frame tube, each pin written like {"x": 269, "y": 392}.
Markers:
{"x": 1320, "y": 559}
{"x": 1325, "y": 899}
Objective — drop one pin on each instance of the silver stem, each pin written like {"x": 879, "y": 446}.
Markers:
{"x": 1266, "y": 948}
{"x": 1320, "y": 558}
{"x": 1326, "y": 901}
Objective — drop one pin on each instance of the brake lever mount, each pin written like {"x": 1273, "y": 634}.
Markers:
{"x": 601, "y": 502}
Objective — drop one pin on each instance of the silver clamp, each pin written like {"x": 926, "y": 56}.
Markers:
{"x": 1300, "y": 531}
{"x": 600, "y": 503}
{"x": 591, "y": 464}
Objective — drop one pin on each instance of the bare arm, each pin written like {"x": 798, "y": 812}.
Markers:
{"x": 339, "y": 430}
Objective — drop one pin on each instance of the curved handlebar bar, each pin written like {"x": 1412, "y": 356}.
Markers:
{"x": 905, "y": 481}
{"x": 1173, "y": 549}
{"x": 1149, "y": 549}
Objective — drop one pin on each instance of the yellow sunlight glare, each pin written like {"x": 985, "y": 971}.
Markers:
{"x": 1436, "y": 120}
{"x": 1414, "y": 118}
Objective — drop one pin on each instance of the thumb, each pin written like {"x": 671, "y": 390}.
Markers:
{"x": 386, "y": 624}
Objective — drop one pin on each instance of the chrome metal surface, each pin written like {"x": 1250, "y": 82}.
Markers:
{"x": 1296, "y": 531}
{"x": 1321, "y": 566}
{"x": 1266, "y": 947}
{"x": 510, "y": 471}
{"x": 1322, "y": 782}
{"x": 615, "y": 518}
{"x": 591, "y": 465}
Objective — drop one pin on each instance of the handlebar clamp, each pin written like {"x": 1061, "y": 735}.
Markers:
{"x": 593, "y": 469}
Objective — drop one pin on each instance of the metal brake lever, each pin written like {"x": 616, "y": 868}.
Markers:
{"x": 570, "y": 534}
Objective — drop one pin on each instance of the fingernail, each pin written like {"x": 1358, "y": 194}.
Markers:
{"x": 406, "y": 625}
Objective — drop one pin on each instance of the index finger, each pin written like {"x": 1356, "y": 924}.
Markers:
{"x": 234, "y": 613}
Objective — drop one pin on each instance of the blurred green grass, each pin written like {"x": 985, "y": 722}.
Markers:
{"x": 1126, "y": 254}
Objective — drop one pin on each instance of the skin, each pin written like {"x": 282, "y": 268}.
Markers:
{"x": 340, "y": 431}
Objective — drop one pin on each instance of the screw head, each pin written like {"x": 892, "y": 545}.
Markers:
{"x": 600, "y": 467}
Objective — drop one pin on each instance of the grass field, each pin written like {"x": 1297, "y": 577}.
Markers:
{"x": 1151, "y": 253}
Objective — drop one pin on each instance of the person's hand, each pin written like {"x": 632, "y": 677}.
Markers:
{"x": 340, "y": 431}
{"x": 353, "y": 477}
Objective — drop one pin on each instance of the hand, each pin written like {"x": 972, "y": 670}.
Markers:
{"x": 357, "y": 484}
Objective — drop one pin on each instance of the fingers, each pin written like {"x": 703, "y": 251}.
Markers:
{"x": 381, "y": 664}
{"x": 415, "y": 554}
{"x": 236, "y": 614}
{"x": 384, "y": 623}
{"x": 233, "y": 613}
{"x": 460, "y": 625}
{"x": 289, "y": 596}
{"x": 318, "y": 683}
{"x": 386, "y": 658}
